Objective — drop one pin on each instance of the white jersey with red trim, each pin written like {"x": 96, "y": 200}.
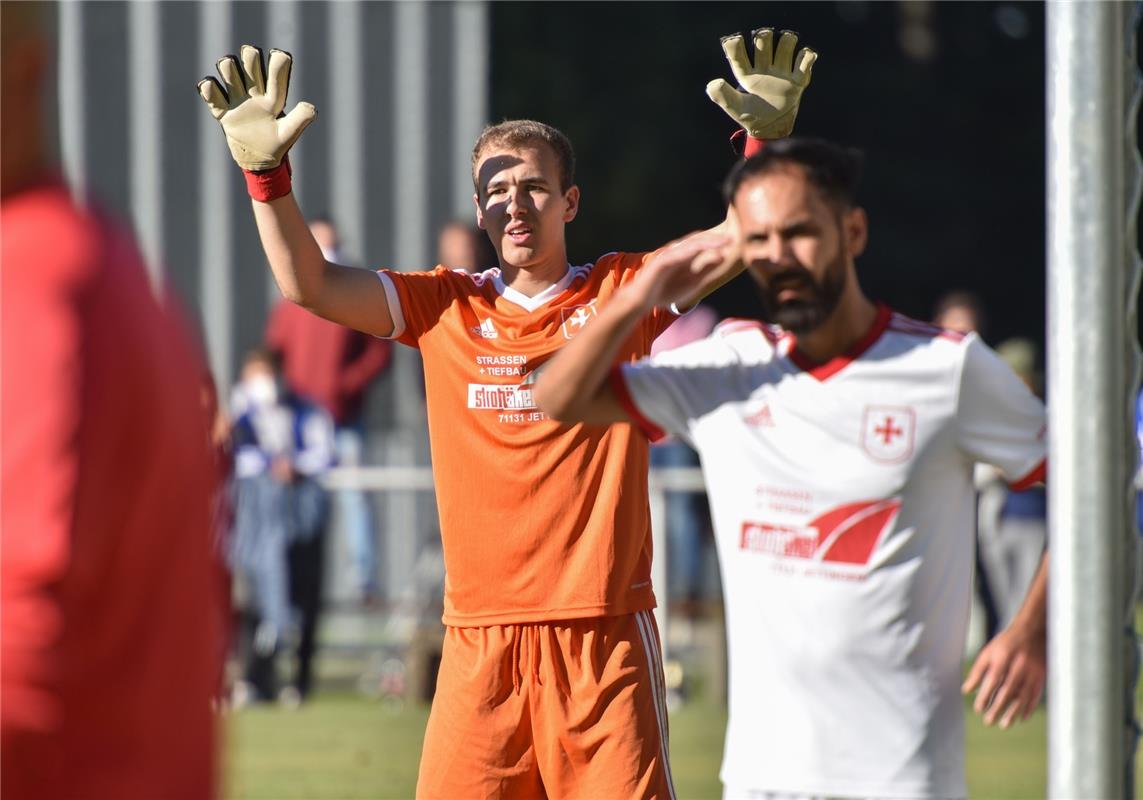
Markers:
{"x": 843, "y": 509}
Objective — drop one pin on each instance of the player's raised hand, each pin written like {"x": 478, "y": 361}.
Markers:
{"x": 773, "y": 83}
{"x": 249, "y": 103}
{"x": 675, "y": 273}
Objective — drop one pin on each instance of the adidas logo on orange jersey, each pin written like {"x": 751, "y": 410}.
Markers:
{"x": 485, "y": 330}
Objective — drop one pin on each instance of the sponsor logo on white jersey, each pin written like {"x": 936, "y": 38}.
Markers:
{"x": 485, "y": 330}
{"x": 887, "y": 433}
{"x": 844, "y": 535}
{"x": 500, "y": 397}
{"x": 576, "y": 317}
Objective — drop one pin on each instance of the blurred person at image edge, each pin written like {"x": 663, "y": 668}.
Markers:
{"x": 109, "y": 646}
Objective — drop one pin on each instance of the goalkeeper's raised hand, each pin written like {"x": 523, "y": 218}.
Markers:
{"x": 249, "y": 103}
{"x": 773, "y": 83}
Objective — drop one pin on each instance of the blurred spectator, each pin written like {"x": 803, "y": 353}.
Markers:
{"x": 282, "y": 445}
{"x": 334, "y": 366}
{"x": 108, "y": 623}
{"x": 1013, "y": 525}
{"x": 461, "y": 245}
{"x": 687, "y": 515}
{"x": 961, "y": 311}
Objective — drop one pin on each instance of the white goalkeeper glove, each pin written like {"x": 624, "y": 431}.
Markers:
{"x": 249, "y": 107}
{"x": 773, "y": 84}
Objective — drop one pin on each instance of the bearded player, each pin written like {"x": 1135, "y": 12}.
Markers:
{"x": 838, "y": 445}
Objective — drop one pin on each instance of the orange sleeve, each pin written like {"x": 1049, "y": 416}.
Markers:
{"x": 421, "y": 297}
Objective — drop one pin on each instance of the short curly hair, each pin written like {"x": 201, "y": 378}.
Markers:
{"x": 517, "y": 133}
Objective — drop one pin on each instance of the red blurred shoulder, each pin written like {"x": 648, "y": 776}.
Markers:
{"x": 44, "y": 229}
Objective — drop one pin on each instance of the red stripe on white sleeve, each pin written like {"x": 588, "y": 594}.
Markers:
{"x": 1037, "y": 475}
{"x": 623, "y": 395}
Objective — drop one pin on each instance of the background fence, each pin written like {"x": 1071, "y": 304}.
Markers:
{"x": 402, "y": 93}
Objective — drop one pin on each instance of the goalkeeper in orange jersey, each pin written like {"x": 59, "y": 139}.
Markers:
{"x": 551, "y": 678}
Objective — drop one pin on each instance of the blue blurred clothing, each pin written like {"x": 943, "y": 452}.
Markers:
{"x": 355, "y": 510}
{"x": 1028, "y": 504}
{"x": 292, "y": 428}
{"x": 686, "y": 524}
{"x": 1012, "y": 533}
{"x": 274, "y": 517}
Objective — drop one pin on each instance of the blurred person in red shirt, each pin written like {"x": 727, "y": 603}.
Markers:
{"x": 464, "y": 246}
{"x": 108, "y": 643}
{"x": 333, "y": 366}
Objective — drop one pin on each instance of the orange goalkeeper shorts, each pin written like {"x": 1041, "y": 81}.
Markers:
{"x": 563, "y": 710}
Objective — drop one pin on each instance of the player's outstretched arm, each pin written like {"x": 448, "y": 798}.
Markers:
{"x": 773, "y": 84}
{"x": 249, "y": 104}
{"x": 573, "y": 387}
{"x": 1009, "y": 673}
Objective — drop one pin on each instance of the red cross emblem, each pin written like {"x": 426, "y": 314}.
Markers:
{"x": 888, "y": 430}
{"x": 887, "y": 433}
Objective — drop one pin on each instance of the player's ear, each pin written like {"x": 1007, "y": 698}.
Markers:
{"x": 479, "y": 211}
{"x": 571, "y": 202}
{"x": 856, "y": 226}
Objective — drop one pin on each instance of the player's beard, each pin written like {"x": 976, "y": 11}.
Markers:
{"x": 804, "y": 314}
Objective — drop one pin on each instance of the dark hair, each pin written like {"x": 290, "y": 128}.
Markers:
{"x": 516, "y": 133}
{"x": 834, "y": 170}
{"x": 263, "y": 355}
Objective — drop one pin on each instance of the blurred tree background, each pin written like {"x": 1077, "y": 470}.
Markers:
{"x": 946, "y": 99}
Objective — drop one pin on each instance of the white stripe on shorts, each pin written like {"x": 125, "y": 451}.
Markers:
{"x": 658, "y": 688}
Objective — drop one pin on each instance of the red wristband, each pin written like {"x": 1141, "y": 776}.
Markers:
{"x": 745, "y": 144}
{"x": 270, "y": 184}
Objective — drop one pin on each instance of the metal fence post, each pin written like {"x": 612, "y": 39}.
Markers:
{"x": 1088, "y": 432}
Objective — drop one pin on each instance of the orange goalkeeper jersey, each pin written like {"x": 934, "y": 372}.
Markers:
{"x": 539, "y": 520}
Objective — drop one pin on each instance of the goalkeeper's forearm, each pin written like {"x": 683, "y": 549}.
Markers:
{"x": 295, "y": 258}
{"x": 345, "y": 295}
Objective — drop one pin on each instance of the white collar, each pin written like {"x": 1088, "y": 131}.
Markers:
{"x": 534, "y": 302}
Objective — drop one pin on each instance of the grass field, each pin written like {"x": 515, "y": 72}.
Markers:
{"x": 344, "y": 747}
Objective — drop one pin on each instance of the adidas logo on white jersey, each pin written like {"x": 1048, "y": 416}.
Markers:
{"x": 762, "y": 418}
{"x": 485, "y": 330}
